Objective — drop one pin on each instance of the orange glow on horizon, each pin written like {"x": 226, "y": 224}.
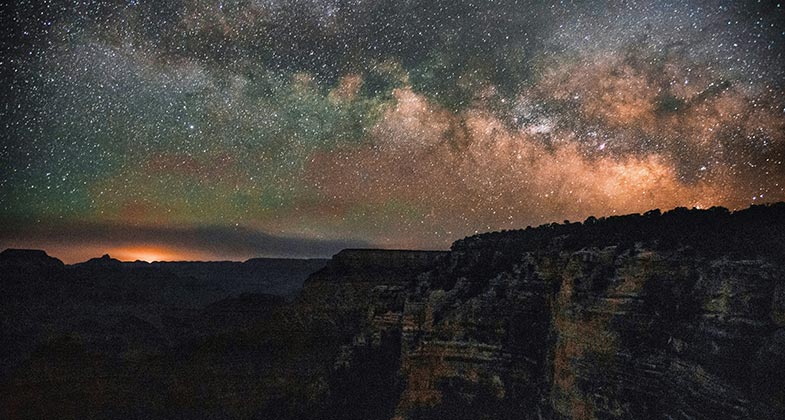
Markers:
{"x": 152, "y": 253}
{"x": 71, "y": 253}
{"x": 146, "y": 253}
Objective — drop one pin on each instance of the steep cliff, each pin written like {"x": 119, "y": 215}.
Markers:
{"x": 676, "y": 315}
{"x": 601, "y": 333}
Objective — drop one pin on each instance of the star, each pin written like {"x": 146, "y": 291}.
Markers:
{"x": 377, "y": 123}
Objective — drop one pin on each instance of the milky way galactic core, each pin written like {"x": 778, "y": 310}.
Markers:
{"x": 230, "y": 129}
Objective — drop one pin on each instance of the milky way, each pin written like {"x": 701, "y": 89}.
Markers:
{"x": 230, "y": 129}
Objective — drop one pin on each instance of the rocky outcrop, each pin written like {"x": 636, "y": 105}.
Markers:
{"x": 355, "y": 306}
{"x": 597, "y": 334}
{"x": 19, "y": 262}
{"x": 359, "y": 282}
{"x": 676, "y": 315}
{"x": 104, "y": 262}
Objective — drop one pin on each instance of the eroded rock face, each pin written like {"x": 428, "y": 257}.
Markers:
{"x": 357, "y": 304}
{"x": 598, "y": 333}
{"x": 662, "y": 326}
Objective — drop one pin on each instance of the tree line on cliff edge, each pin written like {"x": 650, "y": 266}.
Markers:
{"x": 754, "y": 232}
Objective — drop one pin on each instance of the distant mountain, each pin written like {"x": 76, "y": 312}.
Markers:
{"x": 116, "y": 309}
{"x": 20, "y": 262}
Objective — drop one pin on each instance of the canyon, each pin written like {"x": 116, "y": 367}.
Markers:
{"x": 677, "y": 315}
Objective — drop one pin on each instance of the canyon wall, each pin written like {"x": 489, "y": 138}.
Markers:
{"x": 680, "y": 315}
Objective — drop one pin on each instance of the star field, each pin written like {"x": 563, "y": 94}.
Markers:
{"x": 231, "y": 129}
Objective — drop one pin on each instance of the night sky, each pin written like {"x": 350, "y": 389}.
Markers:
{"x": 204, "y": 129}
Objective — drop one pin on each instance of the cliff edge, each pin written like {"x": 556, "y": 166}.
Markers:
{"x": 675, "y": 315}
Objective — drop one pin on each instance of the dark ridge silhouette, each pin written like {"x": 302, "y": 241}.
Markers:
{"x": 23, "y": 259}
{"x": 754, "y": 231}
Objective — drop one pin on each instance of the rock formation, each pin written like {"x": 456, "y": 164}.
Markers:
{"x": 678, "y": 315}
